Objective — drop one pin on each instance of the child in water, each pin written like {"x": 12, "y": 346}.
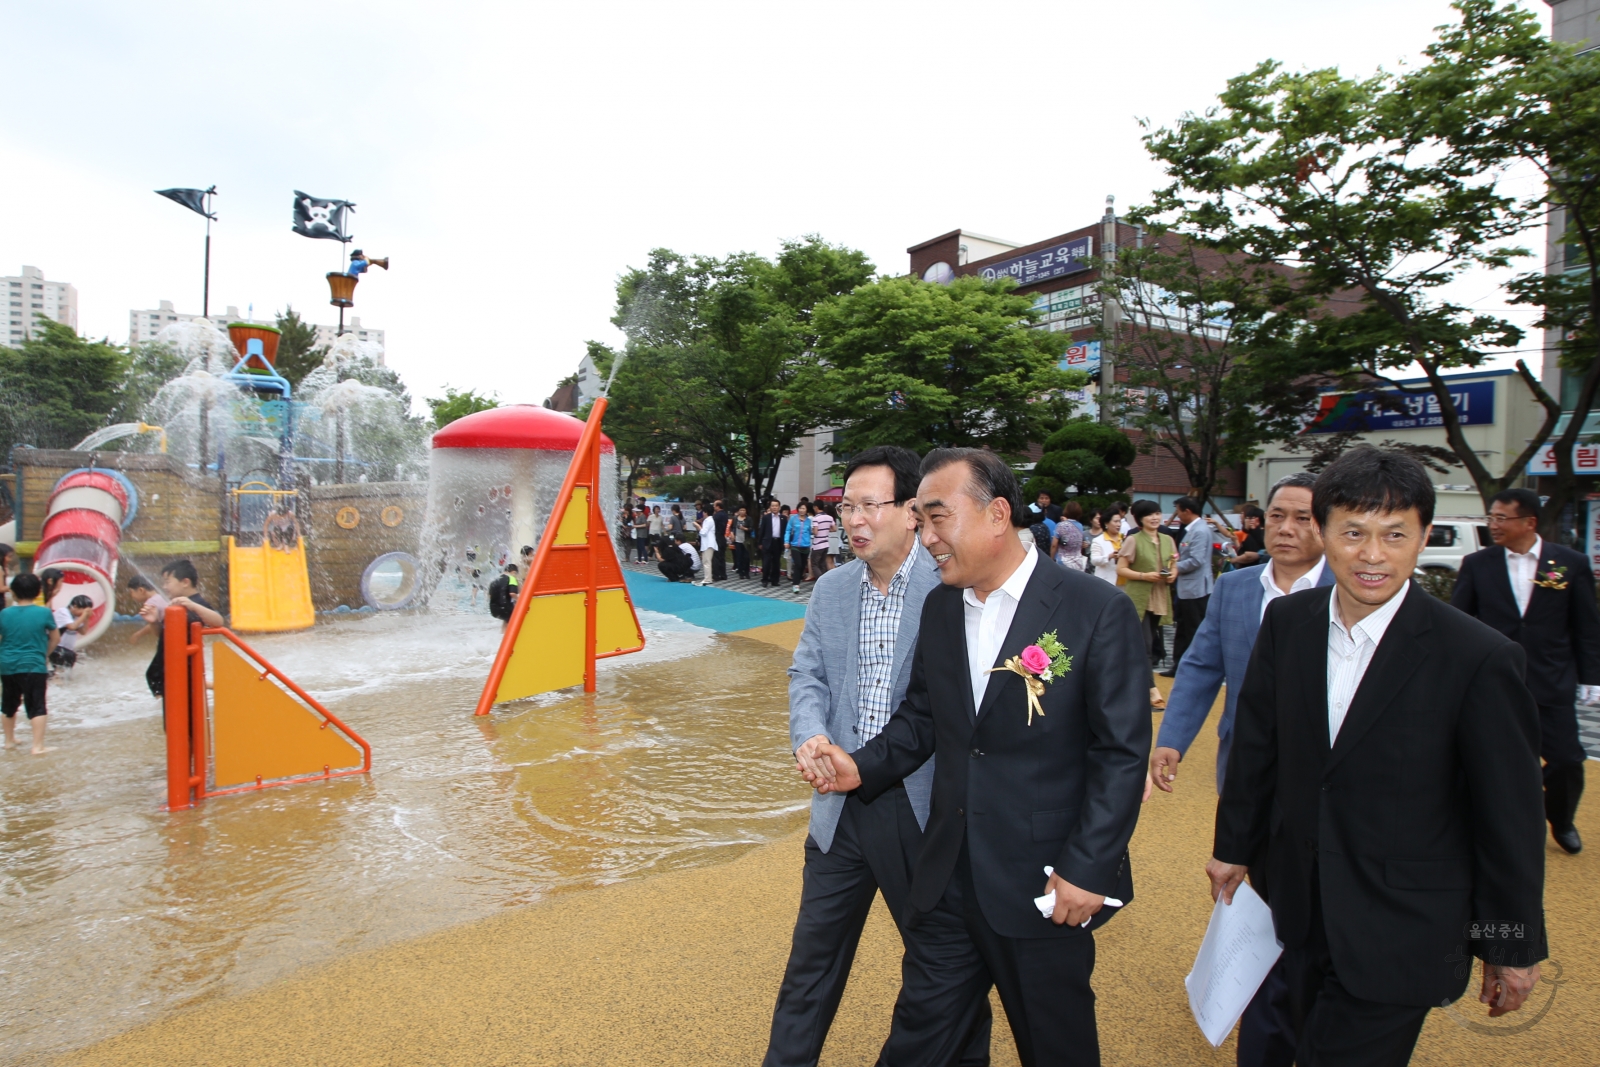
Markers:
{"x": 142, "y": 592}
{"x": 76, "y": 620}
{"x": 27, "y": 637}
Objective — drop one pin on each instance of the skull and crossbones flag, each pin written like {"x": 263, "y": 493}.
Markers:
{"x": 193, "y": 199}
{"x": 320, "y": 218}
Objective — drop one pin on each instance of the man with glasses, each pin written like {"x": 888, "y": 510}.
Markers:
{"x": 1540, "y": 595}
{"x": 849, "y": 674}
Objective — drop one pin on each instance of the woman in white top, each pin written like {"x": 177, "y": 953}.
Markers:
{"x": 708, "y": 547}
{"x": 1103, "y": 546}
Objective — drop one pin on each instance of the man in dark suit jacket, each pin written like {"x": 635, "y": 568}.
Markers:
{"x": 719, "y": 561}
{"x": 769, "y": 539}
{"x": 1385, "y": 761}
{"x": 1541, "y": 595}
{"x": 1027, "y": 800}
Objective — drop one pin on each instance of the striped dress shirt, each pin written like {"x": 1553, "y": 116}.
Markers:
{"x": 1350, "y": 653}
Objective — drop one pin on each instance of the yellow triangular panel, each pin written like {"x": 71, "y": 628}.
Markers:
{"x": 575, "y": 523}
{"x": 259, "y": 730}
{"x": 615, "y": 629}
{"x": 549, "y": 650}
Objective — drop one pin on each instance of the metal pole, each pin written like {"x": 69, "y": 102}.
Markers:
{"x": 205, "y": 293}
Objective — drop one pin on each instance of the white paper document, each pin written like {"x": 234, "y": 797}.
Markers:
{"x": 1238, "y": 951}
{"x": 1047, "y": 903}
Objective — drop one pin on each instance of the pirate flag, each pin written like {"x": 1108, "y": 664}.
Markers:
{"x": 320, "y": 218}
{"x": 193, "y": 199}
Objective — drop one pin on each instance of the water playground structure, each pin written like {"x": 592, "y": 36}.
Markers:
{"x": 275, "y": 542}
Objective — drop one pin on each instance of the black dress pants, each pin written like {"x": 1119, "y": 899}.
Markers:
{"x": 874, "y": 847}
{"x": 1564, "y": 758}
{"x": 1266, "y": 1030}
{"x": 719, "y": 562}
{"x": 953, "y": 956}
{"x": 741, "y": 560}
{"x": 674, "y": 566}
{"x": 771, "y": 562}
{"x": 1335, "y": 1028}
{"x": 1188, "y": 615}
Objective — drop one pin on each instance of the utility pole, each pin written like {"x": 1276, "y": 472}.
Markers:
{"x": 1111, "y": 314}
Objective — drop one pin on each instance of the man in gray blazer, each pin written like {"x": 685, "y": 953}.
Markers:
{"x": 849, "y": 674}
{"x": 1194, "y": 577}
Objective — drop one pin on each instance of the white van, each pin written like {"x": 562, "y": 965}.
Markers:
{"x": 1452, "y": 538}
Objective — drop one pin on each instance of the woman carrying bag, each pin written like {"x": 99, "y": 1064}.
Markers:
{"x": 1147, "y": 563}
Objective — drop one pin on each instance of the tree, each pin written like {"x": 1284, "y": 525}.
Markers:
{"x": 148, "y": 368}
{"x": 57, "y": 388}
{"x": 1359, "y": 191}
{"x": 1498, "y": 89}
{"x": 713, "y": 346}
{"x": 923, "y": 365}
{"x": 1203, "y": 349}
{"x": 1086, "y": 460}
{"x": 453, "y": 405}
{"x": 298, "y": 352}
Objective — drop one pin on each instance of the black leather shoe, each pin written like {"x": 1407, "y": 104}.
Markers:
{"x": 1168, "y": 674}
{"x": 1568, "y": 839}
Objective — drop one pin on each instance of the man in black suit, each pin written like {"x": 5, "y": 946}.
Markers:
{"x": 1385, "y": 772}
{"x": 1541, "y": 595}
{"x": 1027, "y": 799}
{"x": 769, "y": 539}
{"x": 719, "y": 561}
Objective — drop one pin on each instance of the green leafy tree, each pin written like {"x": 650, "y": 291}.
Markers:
{"x": 1086, "y": 461}
{"x": 907, "y": 362}
{"x": 148, "y": 368}
{"x": 713, "y": 347}
{"x": 1203, "y": 343}
{"x": 1498, "y": 90}
{"x": 298, "y": 352}
{"x": 1363, "y": 194}
{"x": 453, "y": 405}
{"x": 56, "y": 388}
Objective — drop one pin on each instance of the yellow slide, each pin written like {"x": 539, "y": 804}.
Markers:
{"x": 269, "y": 587}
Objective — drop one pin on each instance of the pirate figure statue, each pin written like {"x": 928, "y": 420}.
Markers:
{"x": 359, "y": 263}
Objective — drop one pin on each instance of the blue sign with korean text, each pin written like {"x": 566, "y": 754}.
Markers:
{"x": 1047, "y": 263}
{"x": 1397, "y": 409}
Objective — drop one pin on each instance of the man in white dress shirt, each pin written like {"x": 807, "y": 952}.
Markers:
{"x": 1385, "y": 778}
{"x": 1541, "y": 595}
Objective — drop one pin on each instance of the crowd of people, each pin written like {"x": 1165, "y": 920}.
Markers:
{"x": 1388, "y": 764}
{"x": 798, "y": 544}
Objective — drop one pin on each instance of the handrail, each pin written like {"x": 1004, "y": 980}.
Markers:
{"x": 224, "y": 632}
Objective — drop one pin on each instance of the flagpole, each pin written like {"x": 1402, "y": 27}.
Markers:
{"x": 205, "y": 292}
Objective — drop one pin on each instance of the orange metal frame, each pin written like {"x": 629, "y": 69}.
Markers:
{"x": 188, "y": 737}
{"x": 543, "y": 575}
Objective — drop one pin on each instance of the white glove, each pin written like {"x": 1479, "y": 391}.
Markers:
{"x": 1047, "y": 903}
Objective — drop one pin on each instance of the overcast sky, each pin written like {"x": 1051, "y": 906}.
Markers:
{"x": 514, "y": 159}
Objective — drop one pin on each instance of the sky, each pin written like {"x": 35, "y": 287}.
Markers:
{"x": 514, "y": 159}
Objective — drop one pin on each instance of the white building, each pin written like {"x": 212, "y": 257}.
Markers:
{"x": 326, "y": 335}
{"x": 28, "y": 296}
{"x": 144, "y": 325}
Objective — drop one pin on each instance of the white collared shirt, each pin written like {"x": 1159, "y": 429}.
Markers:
{"x": 1350, "y": 653}
{"x": 1522, "y": 568}
{"x": 1269, "y": 582}
{"x": 989, "y": 620}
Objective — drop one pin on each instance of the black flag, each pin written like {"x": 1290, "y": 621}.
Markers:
{"x": 193, "y": 199}
{"x": 320, "y": 218}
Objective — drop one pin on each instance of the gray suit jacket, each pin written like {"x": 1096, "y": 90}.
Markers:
{"x": 822, "y": 678}
{"x": 1194, "y": 562}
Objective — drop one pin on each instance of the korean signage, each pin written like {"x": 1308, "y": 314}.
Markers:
{"x": 1585, "y": 461}
{"x": 1085, "y": 356}
{"x": 1592, "y": 539}
{"x": 1047, "y": 263}
{"x": 1396, "y": 409}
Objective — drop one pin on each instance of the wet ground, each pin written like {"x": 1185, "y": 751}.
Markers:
{"x": 116, "y": 911}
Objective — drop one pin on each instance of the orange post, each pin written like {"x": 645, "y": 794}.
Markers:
{"x": 175, "y": 701}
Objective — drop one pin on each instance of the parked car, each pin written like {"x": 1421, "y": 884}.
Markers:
{"x": 1452, "y": 538}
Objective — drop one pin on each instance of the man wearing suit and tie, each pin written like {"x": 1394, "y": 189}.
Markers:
{"x": 1019, "y": 786}
{"x": 769, "y": 539}
{"x": 850, "y": 671}
{"x": 1221, "y": 653}
{"x": 1385, "y": 770}
{"x": 1541, "y": 596}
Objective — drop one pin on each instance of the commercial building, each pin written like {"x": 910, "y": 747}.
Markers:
{"x": 1499, "y": 416}
{"x": 29, "y": 296}
{"x": 1062, "y": 275}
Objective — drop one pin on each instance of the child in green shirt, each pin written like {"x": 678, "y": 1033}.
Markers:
{"x": 28, "y": 635}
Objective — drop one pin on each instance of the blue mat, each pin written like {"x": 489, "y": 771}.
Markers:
{"x": 716, "y": 609}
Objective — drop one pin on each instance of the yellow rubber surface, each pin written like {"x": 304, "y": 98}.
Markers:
{"x": 269, "y": 589}
{"x": 683, "y": 968}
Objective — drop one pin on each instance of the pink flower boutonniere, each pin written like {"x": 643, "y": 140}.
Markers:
{"x": 1040, "y": 663}
{"x": 1552, "y": 578}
